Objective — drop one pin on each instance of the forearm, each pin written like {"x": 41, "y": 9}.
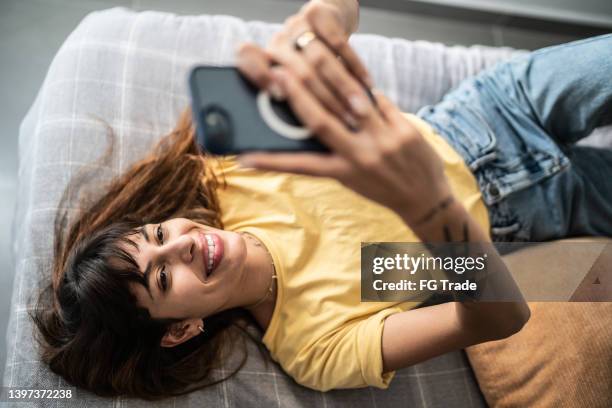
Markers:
{"x": 349, "y": 10}
{"x": 454, "y": 224}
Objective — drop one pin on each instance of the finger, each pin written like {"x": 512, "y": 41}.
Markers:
{"x": 395, "y": 117}
{"x": 296, "y": 62}
{"x": 312, "y": 164}
{"x": 329, "y": 130}
{"x": 255, "y": 64}
{"x": 340, "y": 80}
{"x": 392, "y": 114}
{"x": 335, "y": 37}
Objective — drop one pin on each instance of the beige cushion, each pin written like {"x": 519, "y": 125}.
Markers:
{"x": 563, "y": 355}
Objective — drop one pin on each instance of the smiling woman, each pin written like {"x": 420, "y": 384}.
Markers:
{"x": 193, "y": 270}
{"x": 131, "y": 280}
{"x": 153, "y": 283}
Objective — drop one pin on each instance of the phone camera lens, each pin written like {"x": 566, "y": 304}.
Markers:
{"x": 217, "y": 128}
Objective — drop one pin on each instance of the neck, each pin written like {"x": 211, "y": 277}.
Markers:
{"x": 254, "y": 289}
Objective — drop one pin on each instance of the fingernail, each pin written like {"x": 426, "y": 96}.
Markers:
{"x": 369, "y": 82}
{"x": 276, "y": 91}
{"x": 359, "y": 104}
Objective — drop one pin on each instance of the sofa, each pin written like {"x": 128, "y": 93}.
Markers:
{"x": 128, "y": 70}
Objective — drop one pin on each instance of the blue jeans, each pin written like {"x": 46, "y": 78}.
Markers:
{"x": 515, "y": 126}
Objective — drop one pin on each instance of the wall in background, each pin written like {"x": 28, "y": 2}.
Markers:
{"x": 585, "y": 11}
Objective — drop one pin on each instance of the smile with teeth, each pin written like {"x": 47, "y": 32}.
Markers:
{"x": 210, "y": 253}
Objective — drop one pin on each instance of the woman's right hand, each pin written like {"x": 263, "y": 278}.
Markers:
{"x": 320, "y": 62}
{"x": 385, "y": 159}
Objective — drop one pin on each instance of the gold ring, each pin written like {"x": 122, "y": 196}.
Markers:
{"x": 304, "y": 39}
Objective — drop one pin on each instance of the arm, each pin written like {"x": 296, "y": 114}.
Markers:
{"x": 387, "y": 160}
{"x": 393, "y": 165}
{"x": 487, "y": 320}
{"x": 455, "y": 325}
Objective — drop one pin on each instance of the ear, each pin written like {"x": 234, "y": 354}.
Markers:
{"x": 181, "y": 331}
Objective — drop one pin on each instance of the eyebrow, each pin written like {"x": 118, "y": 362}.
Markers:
{"x": 148, "y": 268}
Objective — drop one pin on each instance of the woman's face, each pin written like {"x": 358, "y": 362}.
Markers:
{"x": 193, "y": 270}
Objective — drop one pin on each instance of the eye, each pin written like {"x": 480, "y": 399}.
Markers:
{"x": 163, "y": 277}
{"x": 159, "y": 233}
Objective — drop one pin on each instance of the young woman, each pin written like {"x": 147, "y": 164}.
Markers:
{"x": 154, "y": 282}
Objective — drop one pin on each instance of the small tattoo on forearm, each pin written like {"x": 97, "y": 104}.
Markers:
{"x": 432, "y": 213}
{"x": 447, "y": 234}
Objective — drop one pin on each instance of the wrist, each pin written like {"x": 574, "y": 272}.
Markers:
{"x": 430, "y": 227}
{"x": 426, "y": 210}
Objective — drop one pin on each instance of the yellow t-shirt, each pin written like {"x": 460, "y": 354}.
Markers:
{"x": 320, "y": 332}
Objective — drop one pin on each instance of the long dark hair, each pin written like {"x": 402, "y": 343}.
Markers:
{"x": 90, "y": 329}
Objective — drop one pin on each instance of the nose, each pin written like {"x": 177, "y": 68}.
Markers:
{"x": 182, "y": 249}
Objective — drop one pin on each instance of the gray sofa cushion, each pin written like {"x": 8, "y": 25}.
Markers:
{"x": 129, "y": 69}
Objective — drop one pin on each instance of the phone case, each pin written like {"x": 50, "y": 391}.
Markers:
{"x": 233, "y": 116}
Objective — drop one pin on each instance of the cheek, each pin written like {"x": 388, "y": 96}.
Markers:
{"x": 185, "y": 281}
{"x": 185, "y": 291}
{"x": 236, "y": 251}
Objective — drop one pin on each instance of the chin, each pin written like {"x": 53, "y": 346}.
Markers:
{"x": 237, "y": 249}
{"x": 234, "y": 253}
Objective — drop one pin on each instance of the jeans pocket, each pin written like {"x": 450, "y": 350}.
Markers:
{"x": 471, "y": 135}
{"x": 506, "y": 225}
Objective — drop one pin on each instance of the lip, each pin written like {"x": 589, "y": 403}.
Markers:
{"x": 204, "y": 251}
{"x": 219, "y": 249}
{"x": 217, "y": 256}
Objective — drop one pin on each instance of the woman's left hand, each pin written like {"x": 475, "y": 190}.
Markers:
{"x": 326, "y": 57}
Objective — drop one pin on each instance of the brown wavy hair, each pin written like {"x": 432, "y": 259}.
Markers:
{"x": 90, "y": 329}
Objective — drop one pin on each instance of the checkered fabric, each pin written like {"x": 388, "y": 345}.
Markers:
{"x": 129, "y": 70}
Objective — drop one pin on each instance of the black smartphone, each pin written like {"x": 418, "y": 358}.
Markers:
{"x": 234, "y": 116}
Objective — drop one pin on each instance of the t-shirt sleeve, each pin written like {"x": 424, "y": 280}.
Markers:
{"x": 350, "y": 357}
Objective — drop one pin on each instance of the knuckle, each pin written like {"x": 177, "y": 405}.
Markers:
{"x": 391, "y": 147}
{"x": 244, "y": 49}
{"x": 337, "y": 42}
{"x": 259, "y": 76}
{"x": 406, "y": 144}
{"x": 317, "y": 56}
{"x": 327, "y": 66}
{"x": 306, "y": 77}
{"x": 406, "y": 133}
{"x": 312, "y": 11}
{"x": 320, "y": 126}
{"x": 346, "y": 87}
{"x": 335, "y": 106}
{"x": 249, "y": 52}
{"x": 369, "y": 160}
